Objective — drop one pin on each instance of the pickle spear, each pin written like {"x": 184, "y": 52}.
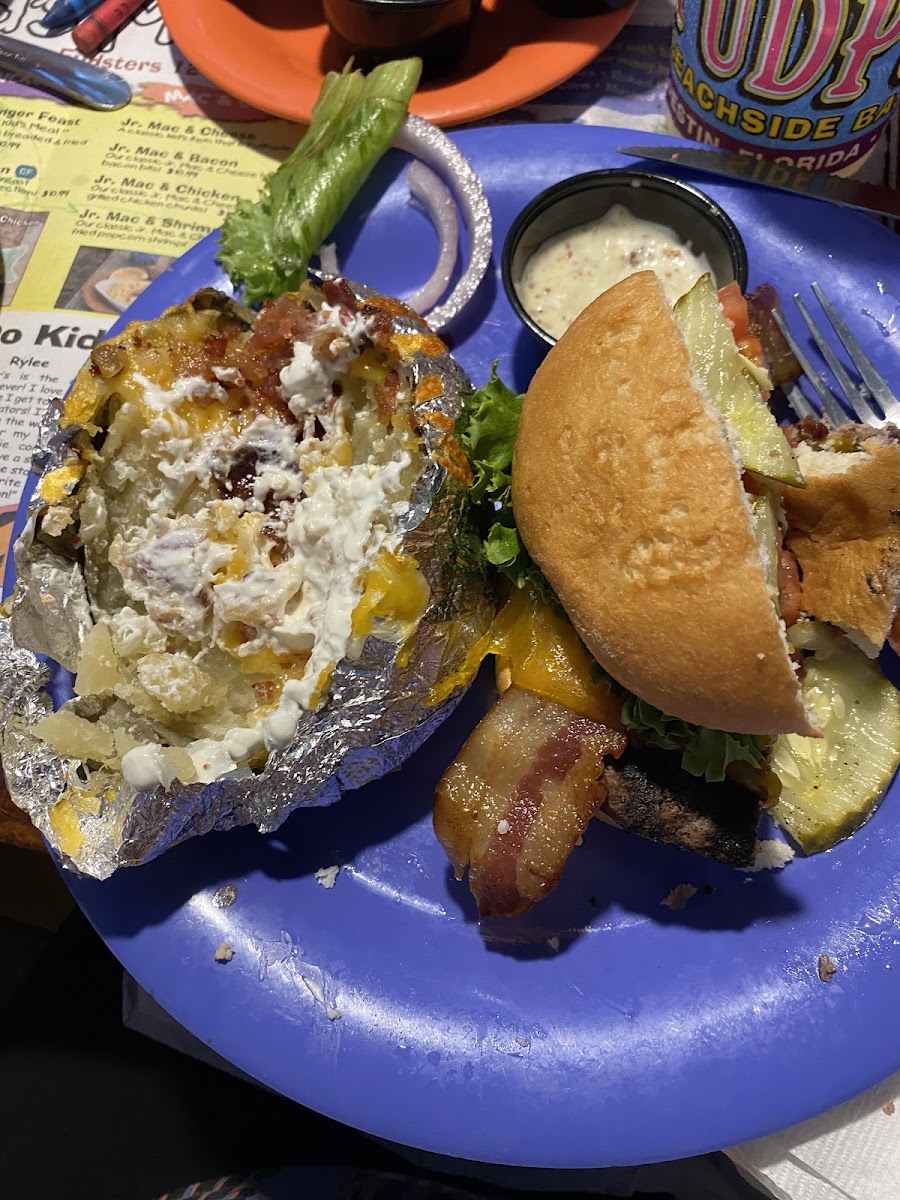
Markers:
{"x": 714, "y": 356}
{"x": 764, "y": 509}
{"x": 831, "y": 785}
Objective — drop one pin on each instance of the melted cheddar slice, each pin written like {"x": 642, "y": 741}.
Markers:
{"x": 394, "y": 600}
{"x": 542, "y": 654}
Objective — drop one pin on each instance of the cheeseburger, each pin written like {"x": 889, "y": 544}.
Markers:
{"x": 660, "y": 658}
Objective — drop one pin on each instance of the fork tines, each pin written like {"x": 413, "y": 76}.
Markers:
{"x": 858, "y": 396}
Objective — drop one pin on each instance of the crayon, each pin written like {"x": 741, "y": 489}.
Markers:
{"x": 67, "y": 12}
{"x": 103, "y": 23}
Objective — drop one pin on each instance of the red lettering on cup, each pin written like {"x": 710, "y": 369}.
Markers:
{"x": 726, "y": 60}
{"x": 877, "y": 30}
{"x": 778, "y": 73}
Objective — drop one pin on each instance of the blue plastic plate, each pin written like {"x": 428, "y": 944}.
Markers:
{"x": 603, "y": 1029}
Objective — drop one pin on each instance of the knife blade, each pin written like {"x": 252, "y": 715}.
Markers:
{"x": 851, "y": 193}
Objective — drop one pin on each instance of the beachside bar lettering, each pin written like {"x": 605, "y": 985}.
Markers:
{"x": 810, "y": 83}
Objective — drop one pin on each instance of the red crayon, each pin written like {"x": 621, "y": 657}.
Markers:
{"x": 103, "y": 23}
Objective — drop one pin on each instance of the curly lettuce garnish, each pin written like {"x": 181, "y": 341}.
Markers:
{"x": 705, "y": 753}
{"x": 486, "y": 430}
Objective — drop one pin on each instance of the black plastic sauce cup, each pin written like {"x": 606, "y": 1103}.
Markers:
{"x": 696, "y": 219}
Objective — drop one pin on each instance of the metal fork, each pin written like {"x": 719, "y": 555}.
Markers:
{"x": 870, "y": 400}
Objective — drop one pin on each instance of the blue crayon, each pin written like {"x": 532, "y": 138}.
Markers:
{"x": 68, "y": 12}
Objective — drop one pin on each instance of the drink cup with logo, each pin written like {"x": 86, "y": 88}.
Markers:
{"x": 809, "y": 83}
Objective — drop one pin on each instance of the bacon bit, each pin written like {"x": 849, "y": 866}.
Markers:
{"x": 379, "y": 323}
{"x": 270, "y": 348}
{"x": 267, "y": 690}
{"x": 518, "y": 797}
{"x": 191, "y": 358}
{"x": 386, "y": 397}
{"x": 789, "y": 587}
{"x": 339, "y": 294}
{"x": 429, "y": 388}
{"x": 810, "y": 429}
{"x": 217, "y": 343}
{"x": 241, "y": 476}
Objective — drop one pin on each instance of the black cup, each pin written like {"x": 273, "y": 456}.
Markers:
{"x": 697, "y": 220}
{"x": 375, "y": 31}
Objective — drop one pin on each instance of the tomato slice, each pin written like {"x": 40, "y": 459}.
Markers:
{"x": 734, "y": 306}
{"x": 737, "y": 314}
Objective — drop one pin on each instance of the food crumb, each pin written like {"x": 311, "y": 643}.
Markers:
{"x": 522, "y": 1041}
{"x": 580, "y": 841}
{"x": 770, "y": 855}
{"x": 224, "y": 953}
{"x": 314, "y": 989}
{"x": 225, "y": 896}
{"x": 503, "y": 826}
{"x": 326, "y": 877}
{"x": 553, "y": 943}
{"x": 827, "y": 968}
{"x": 333, "y": 1014}
{"x": 888, "y": 1109}
{"x": 679, "y": 896}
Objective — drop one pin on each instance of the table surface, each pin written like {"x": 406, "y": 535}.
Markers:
{"x": 623, "y": 88}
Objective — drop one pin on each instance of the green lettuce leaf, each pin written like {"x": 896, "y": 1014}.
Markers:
{"x": 486, "y": 430}
{"x": 266, "y": 244}
{"x": 705, "y": 753}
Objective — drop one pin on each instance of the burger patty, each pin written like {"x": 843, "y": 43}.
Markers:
{"x": 649, "y": 794}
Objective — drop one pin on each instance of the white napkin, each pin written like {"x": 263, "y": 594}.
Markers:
{"x": 851, "y": 1152}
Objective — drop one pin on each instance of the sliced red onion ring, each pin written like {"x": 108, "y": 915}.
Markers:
{"x": 438, "y": 202}
{"x": 430, "y": 144}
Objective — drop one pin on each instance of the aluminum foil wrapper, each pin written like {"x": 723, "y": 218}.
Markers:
{"x": 377, "y": 714}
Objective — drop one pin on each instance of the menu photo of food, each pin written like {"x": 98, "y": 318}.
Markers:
{"x": 19, "y": 233}
{"x": 108, "y": 281}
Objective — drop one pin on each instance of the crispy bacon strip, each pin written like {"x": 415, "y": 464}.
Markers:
{"x": 518, "y": 796}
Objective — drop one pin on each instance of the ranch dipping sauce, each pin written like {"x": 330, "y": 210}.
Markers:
{"x": 573, "y": 268}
